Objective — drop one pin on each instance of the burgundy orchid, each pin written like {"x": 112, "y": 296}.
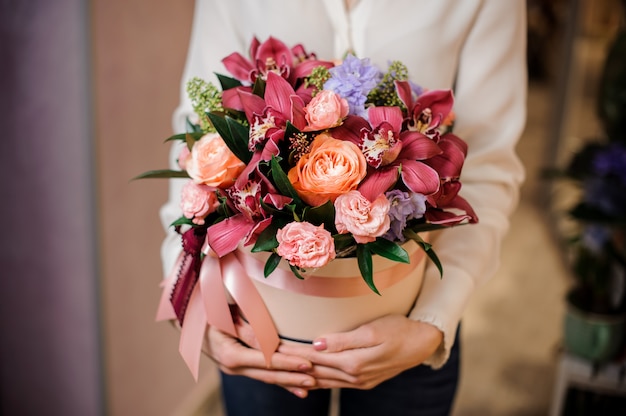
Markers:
{"x": 449, "y": 165}
{"x": 272, "y": 56}
{"x": 250, "y": 218}
{"x": 268, "y": 116}
{"x": 428, "y": 111}
{"x": 392, "y": 154}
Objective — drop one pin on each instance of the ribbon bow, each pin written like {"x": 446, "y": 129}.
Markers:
{"x": 196, "y": 294}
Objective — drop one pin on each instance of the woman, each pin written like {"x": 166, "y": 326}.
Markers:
{"x": 396, "y": 364}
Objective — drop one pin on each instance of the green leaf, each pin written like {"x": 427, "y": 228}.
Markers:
{"x": 323, "y": 214}
{"x": 266, "y": 241}
{"x": 193, "y": 128}
{"x": 428, "y": 248}
{"x": 233, "y": 135}
{"x": 282, "y": 182}
{"x": 343, "y": 240}
{"x": 227, "y": 82}
{"x": 296, "y": 272}
{"x": 291, "y": 130}
{"x": 259, "y": 87}
{"x": 183, "y": 136}
{"x": 162, "y": 173}
{"x": 389, "y": 250}
{"x": 182, "y": 221}
{"x": 241, "y": 136}
{"x": 364, "y": 260}
{"x": 270, "y": 265}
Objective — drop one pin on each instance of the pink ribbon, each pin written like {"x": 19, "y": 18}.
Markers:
{"x": 217, "y": 277}
{"x": 208, "y": 305}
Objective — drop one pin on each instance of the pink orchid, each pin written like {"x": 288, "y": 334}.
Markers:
{"x": 428, "y": 111}
{"x": 393, "y": 154}
{"x": 268, "y": 116}
{"x": 250, "y": 218}
{"x": 449, "y": 165}
{"x": 272, "y": 56}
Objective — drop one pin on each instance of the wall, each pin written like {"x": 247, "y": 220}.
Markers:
{"x": 49, "y": 353}
{"x": 139, "y": 51}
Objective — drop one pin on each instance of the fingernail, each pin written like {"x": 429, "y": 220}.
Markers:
{"x": 319, "y": 344}
{"x": 304, "y": 367}
{"x": 299, "y": 392}
{"x": 308, "y": 383}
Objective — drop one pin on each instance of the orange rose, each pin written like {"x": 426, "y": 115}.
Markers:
{"x": 332, "y": 167}
{"x": 212, "y": 163}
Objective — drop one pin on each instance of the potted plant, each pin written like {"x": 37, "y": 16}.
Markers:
{"x": 596, "y": 313}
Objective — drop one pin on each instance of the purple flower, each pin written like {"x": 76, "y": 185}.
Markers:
{"x": 595, "y": 237}
{"x": 611, "y": 162}
{"x": 404, "y": 206}
{"x": 353, "y": 80}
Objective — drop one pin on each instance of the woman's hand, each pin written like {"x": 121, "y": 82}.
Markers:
{"x": 370, "y": 354}
{"x": 235, "y": 358}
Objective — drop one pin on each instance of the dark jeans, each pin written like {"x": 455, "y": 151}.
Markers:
{"x": 417, "y": 391}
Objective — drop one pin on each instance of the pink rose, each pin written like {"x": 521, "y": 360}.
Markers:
{"x": 305, "y": 245}
{"x": 327, "y": 109}
{"x": 212, "y": 163}
{"x": 183, "y": 156}
{"x": 364, "y": 219}
{"x": 198, "y": 201}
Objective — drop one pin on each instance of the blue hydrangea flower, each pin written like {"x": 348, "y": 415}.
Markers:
{"x": 353, "y": 80}
{"x": 404, "y": 206}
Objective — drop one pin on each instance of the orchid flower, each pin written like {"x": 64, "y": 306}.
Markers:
{"x": 272, "y": 56}
{"x": 428, "y": 111}
{"x": 449, "y": 164}
{"x": 268, "y": 116}
{"x": 250, "y": 218}
{"x": 393, "y": 154}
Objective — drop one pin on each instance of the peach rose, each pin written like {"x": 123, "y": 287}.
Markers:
{"x": 198, "y": 201}
{"x": 332, "y": 167}
{"x": 327, "y": 109}
{"x": 212, "y": 163}
{"x": 365, "y": 220}
{"x": 305, "y": 245}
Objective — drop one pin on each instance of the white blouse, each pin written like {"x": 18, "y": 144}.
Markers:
{"x": 476, "y": 47}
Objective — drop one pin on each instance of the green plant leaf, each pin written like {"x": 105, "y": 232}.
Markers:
{"x": 240, "y": 135}
{"x": 282, "y": 182}
{"x": 162, "y": 173}
{"x": 231, "y": 135}
{"x": 290, "y": 130}
{"x": 227, "y": 82}
{"x": 364, "y": 260}
{"x": 182, "y": 221}
{"x": 428, "y": 248}
{"x": 323, "y": 214}
{"x": 183, "y": 137}
{"x": 389, "y": 250}
{"x": 270, "y": 265}
{"x": 296, "y": 272}
{"x": 259, "y": 87}
{"x": 193, "y": 128}
{"x": 266, "y": 241}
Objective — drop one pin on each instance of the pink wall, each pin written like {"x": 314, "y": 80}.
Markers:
{"x": 139, "y": 48}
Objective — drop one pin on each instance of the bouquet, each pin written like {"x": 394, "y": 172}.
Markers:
{"x": 312, "y": 160}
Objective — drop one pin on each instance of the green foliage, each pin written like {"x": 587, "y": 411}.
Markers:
{"x": 205, "y": 98}
{"x": 364, "y": 260}
{"x": 319, "y": 75}
{"x": 385, "y": 92}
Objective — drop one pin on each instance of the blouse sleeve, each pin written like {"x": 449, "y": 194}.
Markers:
{"x": 490, "y": 104}
{"x": 212, "y": 38}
